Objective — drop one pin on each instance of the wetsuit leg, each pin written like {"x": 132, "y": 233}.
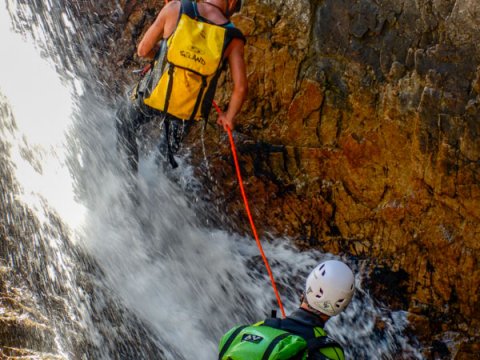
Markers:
{"x": 179, "y": 130}
{"x": 129, "y": 118}
{"x": 174, "y": 131}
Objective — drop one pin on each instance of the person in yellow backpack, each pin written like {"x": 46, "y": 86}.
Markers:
{"x": 190, "y": 44}
{"x": 329, "y": 289}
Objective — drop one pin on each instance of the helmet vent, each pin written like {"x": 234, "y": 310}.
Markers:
{"x": 323, "y": 273}
{"x": 321, "y": 293}
{"x": 321, "y": 267}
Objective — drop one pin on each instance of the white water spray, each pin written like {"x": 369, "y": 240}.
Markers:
{"x": 42, "y": 109}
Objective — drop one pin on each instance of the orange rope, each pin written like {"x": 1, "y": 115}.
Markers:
{"x": 247, "y": 208}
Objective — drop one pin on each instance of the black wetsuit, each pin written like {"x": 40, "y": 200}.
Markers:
{"x": 131, "y": 115}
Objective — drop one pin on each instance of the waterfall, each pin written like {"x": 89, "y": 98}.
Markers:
{"x": 142, "y": 276}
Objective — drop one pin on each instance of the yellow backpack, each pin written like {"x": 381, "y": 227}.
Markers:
{"x": 194, "y": 58}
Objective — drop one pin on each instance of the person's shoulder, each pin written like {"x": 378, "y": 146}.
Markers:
{"x": 172, "y": 7}
{"x": 173, "y": 3}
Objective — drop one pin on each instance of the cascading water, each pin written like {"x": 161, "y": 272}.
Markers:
{"x": 139, "y": 279}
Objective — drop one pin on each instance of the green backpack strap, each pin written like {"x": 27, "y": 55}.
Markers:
{"x": 314, "y": 345}
{"x": 321, "y": 342}
{"x": 230, "y": 340}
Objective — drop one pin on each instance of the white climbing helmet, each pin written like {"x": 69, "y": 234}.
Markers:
{"x": 330, "y": 286}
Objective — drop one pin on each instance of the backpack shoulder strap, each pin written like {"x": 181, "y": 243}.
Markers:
{"x": 189, "y": 8}
{"x": 235, "y": 33}
{"x": 321, "y": 342}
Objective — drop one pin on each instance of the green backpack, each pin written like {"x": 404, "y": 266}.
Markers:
{"x": 266, "y": 342}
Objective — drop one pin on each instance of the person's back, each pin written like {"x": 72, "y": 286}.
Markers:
{"x": 328, "y": 291}
{"x": 166, "y": 24}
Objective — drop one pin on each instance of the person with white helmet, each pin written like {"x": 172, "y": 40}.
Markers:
{"x": 328, "y": 290}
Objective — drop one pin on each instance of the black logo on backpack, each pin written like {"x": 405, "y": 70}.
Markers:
{"x": 252, "y": 338}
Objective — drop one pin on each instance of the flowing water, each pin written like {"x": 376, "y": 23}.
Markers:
{"x": 139, "y": 279}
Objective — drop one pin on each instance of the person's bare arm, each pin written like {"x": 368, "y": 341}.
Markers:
{"x": 240, "y": 84}
{"x": 164, "y": 24}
